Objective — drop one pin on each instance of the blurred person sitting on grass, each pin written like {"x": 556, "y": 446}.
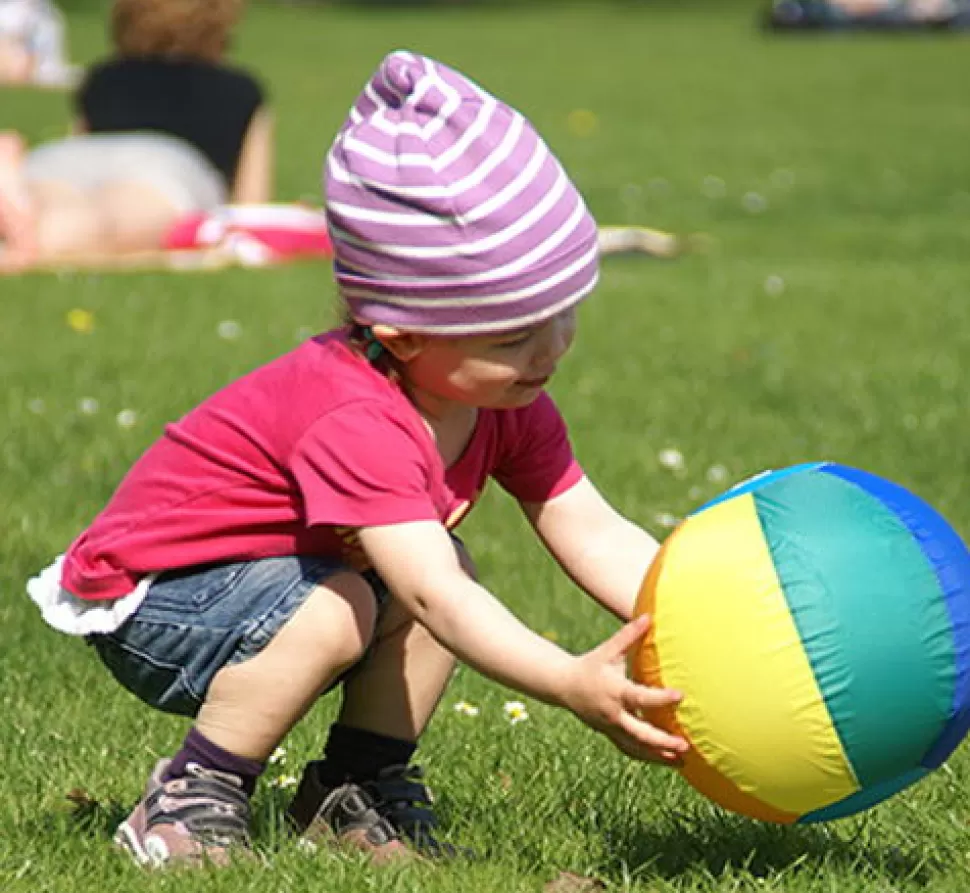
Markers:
{"x": 163, "y": 128}
{"x": 294, "y": 531}
{"x": 33, "y": 51}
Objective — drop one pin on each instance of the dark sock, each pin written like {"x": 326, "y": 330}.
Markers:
{"x": 358, "y": 755}
{"x": 198, "y": 749}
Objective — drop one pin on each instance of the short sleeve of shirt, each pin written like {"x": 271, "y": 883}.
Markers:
{"x": 357, "y": 467}
{"x": 537, "y": 462}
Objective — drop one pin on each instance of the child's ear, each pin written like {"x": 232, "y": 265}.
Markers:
{"x": 403, "y": 346}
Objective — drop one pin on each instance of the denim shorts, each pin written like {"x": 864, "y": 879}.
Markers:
{"x": 194, "y": 622}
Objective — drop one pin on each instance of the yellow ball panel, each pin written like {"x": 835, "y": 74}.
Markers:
{"x": 645, "y": 668}
{"x": 723, "y": 635}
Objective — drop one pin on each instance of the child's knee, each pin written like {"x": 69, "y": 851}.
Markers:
{"x": 360, "y": 612}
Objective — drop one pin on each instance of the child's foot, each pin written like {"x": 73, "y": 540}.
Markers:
{"x": 17, "y": 224}
{"x": 200, "y": 819}
{"x": 389, "y": 817}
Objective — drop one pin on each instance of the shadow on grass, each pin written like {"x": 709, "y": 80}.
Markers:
{"x": 96, "y": 819}
{"x": 681, "y": 844}
{"x": 718, "y": 845}
{"x": 86, "y": 815}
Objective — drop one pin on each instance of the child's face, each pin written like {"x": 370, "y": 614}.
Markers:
{"x": 493, "y": 371}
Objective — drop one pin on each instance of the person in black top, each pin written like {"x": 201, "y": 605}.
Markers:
{"x": 163, "y": 128}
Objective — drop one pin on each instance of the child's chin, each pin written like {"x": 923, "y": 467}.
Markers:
{"x": 520, "y": 398}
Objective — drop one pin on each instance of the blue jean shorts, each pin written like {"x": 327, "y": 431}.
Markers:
{"x": 194, "y": 622}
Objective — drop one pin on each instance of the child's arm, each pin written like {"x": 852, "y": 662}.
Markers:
{"x": 603, "y": 552}
{"x": 255, "y": 179}
{"x": 418, "y": 562}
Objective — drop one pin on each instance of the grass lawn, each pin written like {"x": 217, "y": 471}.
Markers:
{"x": 828, "y": 316}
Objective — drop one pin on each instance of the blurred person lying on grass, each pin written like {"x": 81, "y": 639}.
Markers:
{"x": 164, "y": 127}
{"x": 294, "y": 531}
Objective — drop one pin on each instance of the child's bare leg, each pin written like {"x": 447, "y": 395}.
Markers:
{"x": 387, "y": 703}
{"x": 73, "y": 225}
{"x": 196, "y": 806}
{"x": 397, "y": 689}
{"x": 136, "y": 217}
{"x": 68, "y": 221}
{"x": 251, "y": 706}
{"x": 364, "y": 791}
{"x": 395, "y": 692}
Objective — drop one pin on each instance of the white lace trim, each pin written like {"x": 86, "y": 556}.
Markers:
{"x": 77, "y": 616}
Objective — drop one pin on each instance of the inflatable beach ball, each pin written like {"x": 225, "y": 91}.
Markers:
{"x": 817, "y": 620}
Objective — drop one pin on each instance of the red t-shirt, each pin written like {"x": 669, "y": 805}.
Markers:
{"x": 295, "y": 456}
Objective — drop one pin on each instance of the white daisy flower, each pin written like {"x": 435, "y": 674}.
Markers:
{"x": 278, "y": 756}
{"x": 774, "y": 286}
{"x": 127, "y": 418}
{"x": 717, "y": 474}
{"x": 515, "y": 712}
{"x": 466, "y": 709}
{"x": 671, "y": 459}
{"x": 229, "y": 330}
{"x": 285, "y": 782}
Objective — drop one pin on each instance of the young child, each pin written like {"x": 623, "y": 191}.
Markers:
{"x": 297, "y": 523}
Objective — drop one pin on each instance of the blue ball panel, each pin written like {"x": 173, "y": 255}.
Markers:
{"x": 950, "y": 560}
{"x": 870, "y": 616}
{"x": 758, "y": 481}
{"x": 864, "y": 799}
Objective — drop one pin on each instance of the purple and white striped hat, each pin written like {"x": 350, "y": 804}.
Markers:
{"x": 448, "y": 213}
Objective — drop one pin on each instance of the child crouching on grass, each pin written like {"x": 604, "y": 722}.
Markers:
{"x": 293, "y": 531}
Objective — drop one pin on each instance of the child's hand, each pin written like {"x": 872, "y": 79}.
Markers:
{"x": 602, "y": 696}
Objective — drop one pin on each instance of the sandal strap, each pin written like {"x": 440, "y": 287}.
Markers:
{"x": 210, "y": 806}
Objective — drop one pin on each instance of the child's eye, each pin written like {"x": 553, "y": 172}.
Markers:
{"x": 515, "y": 342}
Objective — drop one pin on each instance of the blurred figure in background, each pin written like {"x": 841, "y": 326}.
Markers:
{"x": 873, "y": 14}
{"x": 163, "y": 128}
{"x": 33, "y": 49}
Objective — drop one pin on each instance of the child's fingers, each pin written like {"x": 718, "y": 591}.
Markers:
{"x": 671, "y": 758}
{"x": 637, "y": 751}
{"x": 644, "y": 697}
{"x": 622, "y": 640}
{"x": 650, "y": 736}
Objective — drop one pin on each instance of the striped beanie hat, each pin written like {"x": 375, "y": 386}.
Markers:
{"x": 448, "y": 213}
